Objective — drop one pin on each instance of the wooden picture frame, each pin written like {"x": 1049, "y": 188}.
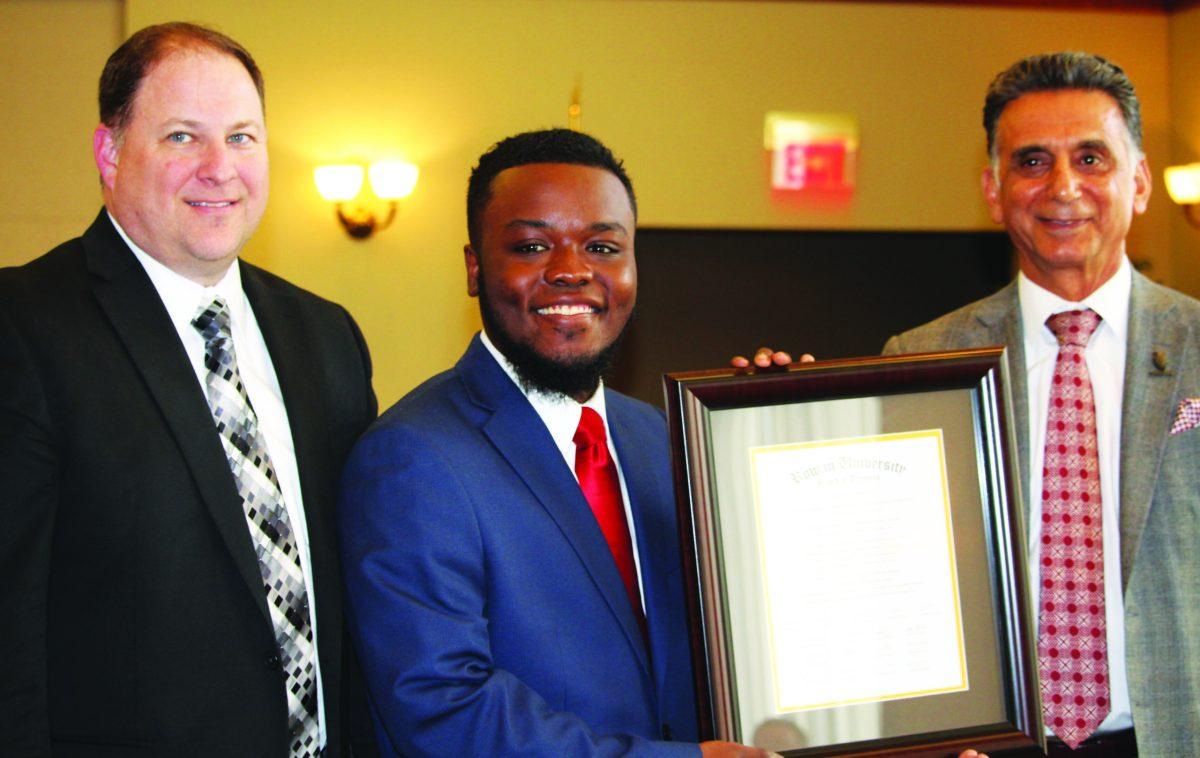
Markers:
{"x": 854, "y": 557}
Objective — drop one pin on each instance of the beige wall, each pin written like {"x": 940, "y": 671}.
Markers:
{"x": 677, "y": 87}
{"x": 51, "y": 54}
{"x": 1184, "y": 56}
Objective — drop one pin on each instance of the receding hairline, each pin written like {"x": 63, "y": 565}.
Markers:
{"x": 149, "y": 48}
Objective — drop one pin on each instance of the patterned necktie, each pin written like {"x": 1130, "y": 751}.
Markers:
{"x": 1072, "y": 639}
{"x": 267, "y": 518}
{"x": 598, "y": 479}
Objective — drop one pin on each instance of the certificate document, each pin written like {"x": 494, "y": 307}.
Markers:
{"x": 859, "y": 571}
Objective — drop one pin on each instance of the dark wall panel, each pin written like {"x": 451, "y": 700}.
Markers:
{"x": 705, "y": 295}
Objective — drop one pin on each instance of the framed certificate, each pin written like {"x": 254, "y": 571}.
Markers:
{"x": 854, "y": 556}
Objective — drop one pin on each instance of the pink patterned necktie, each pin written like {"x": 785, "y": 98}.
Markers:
{"x": 1072, "y": 639}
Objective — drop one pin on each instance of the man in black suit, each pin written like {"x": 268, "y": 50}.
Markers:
{"x": 173, "y": 424}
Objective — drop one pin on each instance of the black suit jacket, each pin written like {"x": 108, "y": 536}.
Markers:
{"x": 132, "y": 616}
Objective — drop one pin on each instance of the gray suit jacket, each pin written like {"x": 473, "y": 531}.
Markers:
{"x": 1160, "y": 492}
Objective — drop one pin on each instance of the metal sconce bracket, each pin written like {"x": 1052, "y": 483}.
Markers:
{"x": 361, "y": 223}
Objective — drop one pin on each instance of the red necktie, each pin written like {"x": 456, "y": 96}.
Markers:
{"x": 598, "y": 479}
{"x": 1072, "y": 639}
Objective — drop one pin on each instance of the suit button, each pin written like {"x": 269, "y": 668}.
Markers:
{"x": 271, "y": 661}
{"x": 667, "y": 734}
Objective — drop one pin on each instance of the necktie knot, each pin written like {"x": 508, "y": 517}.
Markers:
{"x": 1074, "y": 327}
{"x": 213, "y": 321}
{"x": 591, "y": 430}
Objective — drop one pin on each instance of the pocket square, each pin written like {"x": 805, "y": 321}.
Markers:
{"x": 1187, "y": 415}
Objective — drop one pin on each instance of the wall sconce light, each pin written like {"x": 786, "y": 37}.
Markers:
{"x": 390, "y": 181}
{"x": 1183, "y": 185}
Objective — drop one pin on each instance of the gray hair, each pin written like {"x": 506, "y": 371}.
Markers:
{"x": 1062, "y": 71}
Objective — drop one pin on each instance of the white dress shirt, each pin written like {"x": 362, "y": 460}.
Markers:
{"x": 183, "y": 299}
{"x": 1105, "y": 357}
{"x": 561, "y": 416}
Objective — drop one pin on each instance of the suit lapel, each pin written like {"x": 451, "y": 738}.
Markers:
{"x": 519, "y": 435}
{"x": 1147, "y": 406}
{"x": 140, "y": 320}
{"x": 289, "y": 347}
{"x": 644, "y": 482}
{"x": 1000, "y": 318}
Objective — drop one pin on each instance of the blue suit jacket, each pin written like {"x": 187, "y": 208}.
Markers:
{"x": 488, "y": 610}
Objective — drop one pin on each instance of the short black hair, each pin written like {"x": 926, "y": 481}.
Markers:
{"x": 1059, "y": 71}
{"x": 544, "y": 146}
{"x": 131, "y": 62}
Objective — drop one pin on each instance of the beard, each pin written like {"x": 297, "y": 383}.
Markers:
{"x": 574, "y": 377}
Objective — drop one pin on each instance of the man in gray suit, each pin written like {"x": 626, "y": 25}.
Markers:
{"x": 1067, "y": 175}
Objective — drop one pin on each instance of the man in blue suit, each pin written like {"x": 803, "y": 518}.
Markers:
{"x": 501, "y": 607}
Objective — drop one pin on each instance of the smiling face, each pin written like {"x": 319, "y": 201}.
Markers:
{"x": 555, "y": 271}
{"x": 187, "y": 176}
{"x": 1067, "y": 184}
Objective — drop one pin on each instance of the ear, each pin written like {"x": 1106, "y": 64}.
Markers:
{"x": 1142, "y": 184}
{"x": 991, "y": 194}
{"x": 106, "y": 152}
{"x": 472, "y": 260}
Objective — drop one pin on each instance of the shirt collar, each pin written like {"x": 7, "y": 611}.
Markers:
{"x": 183, "y": 297}
{"x": 1110, "y": 300}
{"x": 560, "y": 413}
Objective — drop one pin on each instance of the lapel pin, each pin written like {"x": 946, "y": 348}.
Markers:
{"x": 1159, "y": 359}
